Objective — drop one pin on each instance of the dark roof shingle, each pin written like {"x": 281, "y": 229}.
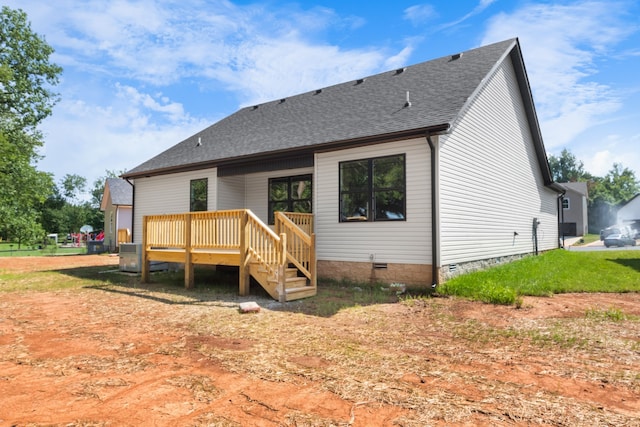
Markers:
{"x": 438, "y": 90}
{"x": 121, "y": 192}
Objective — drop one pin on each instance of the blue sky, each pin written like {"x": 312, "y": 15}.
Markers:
{"x": 140, "y": 76}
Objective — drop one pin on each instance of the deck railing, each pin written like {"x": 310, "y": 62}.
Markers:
{"x": 235, "y": 230}
{"x": 302, "y": 220}
{"x": 300, "y": 244}
{"x": 165, "y": 231}
{"x": 264, "y": 246}
{"x": 216, "y": 229}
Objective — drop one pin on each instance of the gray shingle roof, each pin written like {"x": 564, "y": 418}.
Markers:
{"x": 351, "y": 111}
{"x": 578, "y": 187}
{"x": 121, "y": 192}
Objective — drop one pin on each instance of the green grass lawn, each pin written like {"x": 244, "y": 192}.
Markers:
{"x": 11, "y": 249}
{"x": 554, "y": 272}
{"x": 588, "y": 238}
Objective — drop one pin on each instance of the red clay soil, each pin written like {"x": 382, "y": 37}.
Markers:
{"x": 94, "y": 358}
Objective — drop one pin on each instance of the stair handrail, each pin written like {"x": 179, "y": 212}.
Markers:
{"x": 264, "y": 246}
{"x": 300, "y": 245}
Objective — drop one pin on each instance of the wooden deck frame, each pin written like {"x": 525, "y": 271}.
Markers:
{"x": 235, "y": 238}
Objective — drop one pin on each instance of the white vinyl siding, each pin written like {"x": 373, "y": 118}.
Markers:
{"x": 490, "y": 181}
{"x": 387, "y": 241}
{"x": 231, "y": 192}
{"x": 630, "y": 211}
{"x": 123, "y": 218}
{"x": 168, "y": 194}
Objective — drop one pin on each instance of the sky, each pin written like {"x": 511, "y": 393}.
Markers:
{"x": 141, "y": 76}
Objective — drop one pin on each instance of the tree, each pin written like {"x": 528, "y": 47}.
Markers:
{"x": 73, "y": 186}
{"x": 22, "y": 188}
{"x": 26, "y": 73}
{"x": 25, "y": 230}
{"x": 605, "y": 193}
{"x": 618, "y": 186}
{"x": 567, "y": 168}
{"x": 26, "y": 78}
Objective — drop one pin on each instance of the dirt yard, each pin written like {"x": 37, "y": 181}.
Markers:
{"x": 113, "y": 354}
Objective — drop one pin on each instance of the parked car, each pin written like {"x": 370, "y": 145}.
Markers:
{"x": 614, "y": 229}
{"x": 620, "y": 239}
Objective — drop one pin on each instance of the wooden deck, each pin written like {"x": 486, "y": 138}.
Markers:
{"x": 283, "y": 263}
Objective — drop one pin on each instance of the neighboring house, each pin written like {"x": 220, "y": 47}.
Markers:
{"x": 574, "y": 220}
{"x": 629, "y": 213}
{"x": 117, "y": 205}
{"x": 412, "y": 175}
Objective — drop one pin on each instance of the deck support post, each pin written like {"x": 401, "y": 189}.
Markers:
{"x": 143, "y": 256}
{"x": 188, "y": 264}
{"x": 244, "y": 280}
{"x": 282, "y": 265}
{"x": 313, "y": 263}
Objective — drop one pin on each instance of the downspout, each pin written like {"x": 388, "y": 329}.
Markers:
{"x": 133, "y": 208}
{"x": 435, "y": 209}
{"x": 561, "y": 217}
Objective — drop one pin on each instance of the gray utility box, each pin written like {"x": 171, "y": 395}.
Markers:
{"x": 95, "y": 247}
{"x": 131, "y": 259}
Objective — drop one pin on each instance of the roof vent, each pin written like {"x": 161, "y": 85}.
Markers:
{"x": 199, "y": 142}
{"x": 456, "y": 56}
{"x": 408, "y": 103}
{"x": 359, "y": 81}
{"x": 282, "y": 100}
{"x": 255, "y": 107}
{"x": 318, "y": 91}
{"x": 400, "y": 70}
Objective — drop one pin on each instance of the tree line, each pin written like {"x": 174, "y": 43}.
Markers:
{"x": 606, "y": 193}
{"x": 31, "y": 203}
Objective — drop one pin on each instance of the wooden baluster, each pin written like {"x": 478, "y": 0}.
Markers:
{"x": 188, "y": 265}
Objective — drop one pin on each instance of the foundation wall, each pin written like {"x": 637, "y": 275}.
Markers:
{"x": 408, "y": 274}
{"x": 453, "y": 270}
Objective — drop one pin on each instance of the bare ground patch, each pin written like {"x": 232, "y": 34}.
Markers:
{"x": 123, "y": 355}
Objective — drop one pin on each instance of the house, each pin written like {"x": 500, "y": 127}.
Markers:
{"x": 411, "y": 175}
{"x": 117, "y": 205}
{"x": 629, "y": 213}
{"x": 574, "y": 220}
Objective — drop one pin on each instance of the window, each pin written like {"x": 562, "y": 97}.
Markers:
{"x": 198, "y": 195}
{"x": 373, "y": 189}
{"x": 289, "y": 194}
{"x": 565, "y": 203}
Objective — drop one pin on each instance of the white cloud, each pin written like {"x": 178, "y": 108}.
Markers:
{"x": 562, "y": 44}
{"x": 143, "y": 49}
{"x": 614, "y": 148}
{"x": 400, "y": 59}
{"x": 275, "y": 68}
{"x": 264, "y": 54}
{"x": 87, "y": 139}
{"x": 419, "y": 14}
{"x": 476, "y": 11}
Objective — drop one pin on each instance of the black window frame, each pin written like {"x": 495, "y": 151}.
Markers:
{"x": 198, "y": 205}
{"x": 371, "y": 213}
{"x": 289, "y": 201}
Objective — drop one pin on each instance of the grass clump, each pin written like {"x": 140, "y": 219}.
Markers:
{"x": 551, "y": 273}
{"x": 486, "y": 290}
{"x": 612, "y": 314}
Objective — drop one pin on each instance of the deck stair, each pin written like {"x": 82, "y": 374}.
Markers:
{"x": 282, "y": 262}
{"x": 295, "y": 287}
